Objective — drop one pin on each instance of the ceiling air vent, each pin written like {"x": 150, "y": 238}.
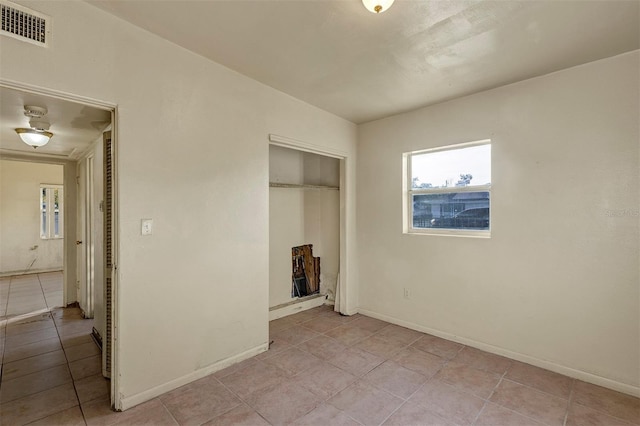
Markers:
{"x": 24, "y": 24}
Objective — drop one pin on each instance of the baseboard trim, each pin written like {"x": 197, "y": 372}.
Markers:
{"x": 30, "y": 272}
{"x": 548, "y": 365}
{"x": 296, "y": 306}
{"x": 139, "y": 398}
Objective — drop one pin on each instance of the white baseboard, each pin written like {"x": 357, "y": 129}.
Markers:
{"x": 30, "y": 271}
{"x": 294, "y": 308}
{"x": 548, "y": 365}
{"x": 139, "y": 398}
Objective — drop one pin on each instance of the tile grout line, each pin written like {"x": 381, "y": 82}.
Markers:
{"x": 626, "y": 422}
{"x": 516, "y": 381}
{"x": 6, "y": 305}
{"x": 33, "y": 356}
{"x": 11, "y": 284}
{"x": 325, "y": 400}
{"x": 433, "y": 377}
{"x": 242, "y": 401}
{"x": 538, "y": 390}
{"x": 566, "y": 414}
{"x": 572, "y": 394}
{"x": 5, "y": 321}
{"x": 42, "y": 290}
{"x": 489, "y": 397}
{"x": 322, "y": 401}
{"x": 497, "y": 384}
{"x": 511, "y": 409}
{"x": 73, "y": 381}
{"x": 405, "y": 401}
{"x": 443, "y": 365}
{"x": 166, "y": 409}
{"x": 359, "y": 379}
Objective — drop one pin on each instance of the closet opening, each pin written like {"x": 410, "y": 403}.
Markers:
{"x": 304, "y": 230}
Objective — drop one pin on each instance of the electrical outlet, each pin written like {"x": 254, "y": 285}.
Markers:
{"x": 407, "y": 293}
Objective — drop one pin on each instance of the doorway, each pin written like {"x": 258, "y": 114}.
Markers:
{"x": 80, "y": 128}
{"x": 32, "y": 244}
{"x": 307, "y": 207}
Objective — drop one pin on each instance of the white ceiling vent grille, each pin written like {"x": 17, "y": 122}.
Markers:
{"x": 24, "y": 24}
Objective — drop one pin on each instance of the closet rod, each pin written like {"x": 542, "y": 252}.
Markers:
{"x": 299, "y": 186}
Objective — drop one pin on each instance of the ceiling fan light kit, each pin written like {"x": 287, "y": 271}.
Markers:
{"x": 38, "y": 135}
{"x": 34, "y": 138}
{"x": 377, "y": 6}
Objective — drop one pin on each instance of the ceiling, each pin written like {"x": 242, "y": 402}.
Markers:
{"x": 74, "y": 126}
{"x": 338, "y": 56}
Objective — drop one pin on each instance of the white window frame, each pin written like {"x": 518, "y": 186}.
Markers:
{"x": 409, "y": 192}
{"x": 49, "y": 233}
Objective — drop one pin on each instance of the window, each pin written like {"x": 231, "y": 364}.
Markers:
{"x": 51, "y": 211}
{"x": 448, "y": 190}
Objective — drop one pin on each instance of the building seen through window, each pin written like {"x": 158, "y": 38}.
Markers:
{"x": 51, "y": 211}
{"x": 450, "y": 188}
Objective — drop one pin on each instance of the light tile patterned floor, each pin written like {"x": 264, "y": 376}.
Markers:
{"x": 22, "y": 294}
{"x": 357, "y": 370}
{"x": 42, "y": 372}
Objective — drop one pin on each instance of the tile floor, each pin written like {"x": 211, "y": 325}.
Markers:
{"x": 28, "y": 293}
{"x": 322, "y": 369}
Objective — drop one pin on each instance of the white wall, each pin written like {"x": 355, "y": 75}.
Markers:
{"x": 20, "y": 218}
{"x": 558, "y": 282}
{"x": 302, "y": 216}
{"x": 205, "y": 187}
{"x": 322, "y": 217}
{"x": 322, "y": 229}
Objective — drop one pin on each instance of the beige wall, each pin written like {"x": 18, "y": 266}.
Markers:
{"x": 192, "y": 142}
{"x": 558, "y": 282}
{"x": 21, "y": 247}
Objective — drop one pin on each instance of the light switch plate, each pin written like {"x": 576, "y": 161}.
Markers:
{"x": 146, "y": 228}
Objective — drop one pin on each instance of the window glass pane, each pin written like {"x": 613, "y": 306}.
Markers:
{"x": 452, "y": 168}
{"x": 56, "y": 212}
{"x": 51, "y": 212}
{"x": 43, "y": 207}
{"x": 452, "y": 210}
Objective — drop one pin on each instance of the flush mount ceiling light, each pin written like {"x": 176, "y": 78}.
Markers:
{"x": 38, "y": 135}
{"x": 377, "y": 6}
{"x": 34, "y": 138}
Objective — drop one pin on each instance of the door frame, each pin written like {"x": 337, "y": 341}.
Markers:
{"x": 70, "y": 276}
{"x": 86, "y": 260}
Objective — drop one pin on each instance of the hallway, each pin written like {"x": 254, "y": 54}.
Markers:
{"x": 50, "y": 363}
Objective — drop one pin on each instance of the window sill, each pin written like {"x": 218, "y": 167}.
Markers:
{"x": 449, "y": 233}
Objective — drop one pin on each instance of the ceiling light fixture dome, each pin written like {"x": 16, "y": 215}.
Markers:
{"x": 38, "y": 135}
{"x": 377, "y": 6}
{"x": 33, "y": 137}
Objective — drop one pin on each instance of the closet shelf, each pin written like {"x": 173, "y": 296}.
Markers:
{"x": 300, "y": 186}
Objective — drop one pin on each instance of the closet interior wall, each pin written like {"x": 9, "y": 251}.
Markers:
{"x": 300, "y": 214}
